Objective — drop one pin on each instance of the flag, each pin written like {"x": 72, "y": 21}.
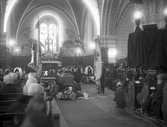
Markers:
{"x": 97, "y": 63}
{"x": 39, "y": 67}
{"x": 39, "y": 64}
{"x": 38, "y": 58}
{"x": 33, "y": 55}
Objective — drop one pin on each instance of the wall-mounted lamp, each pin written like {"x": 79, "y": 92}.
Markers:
{"x": 112, "y": 55}
{"x": 92, "y": 45}
{"x": 78, "y": 51}
{"x": 137, "y": 17}
{"x": 17, "y": 50}
{"x": 112, "y": 52}
{"x": 11, "y": 43}
{"x": 165, "y": 12}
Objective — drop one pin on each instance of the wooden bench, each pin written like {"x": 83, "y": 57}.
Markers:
{"x": 7, "y": 119}
{"x": 11, "y": 96}
{"x": 5, "y": 104}
{"x": 164, "y": 103}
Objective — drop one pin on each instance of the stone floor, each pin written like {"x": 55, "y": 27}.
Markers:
{"x": 99, "y": 111}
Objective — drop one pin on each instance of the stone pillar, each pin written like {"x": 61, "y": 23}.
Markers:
{"x": 108, "y": 42}
{"x": 3, "y": 39}
{"x": 2, "y": 14}
{"x": 153, "y": 12}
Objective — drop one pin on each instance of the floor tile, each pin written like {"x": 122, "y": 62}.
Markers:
{"x": 98, "y": 116}
{"x": 82, "y": 124}
{"x": 91, "y": 109}
{"x": 76, "y": 117}
{"x": 71, "y": 110}
{"x": 109, "y": 123}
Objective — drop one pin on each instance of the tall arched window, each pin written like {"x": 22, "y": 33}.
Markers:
{"x": 49, "y": 36}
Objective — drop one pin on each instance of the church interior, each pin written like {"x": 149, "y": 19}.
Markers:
{"x": 97, "y": 50}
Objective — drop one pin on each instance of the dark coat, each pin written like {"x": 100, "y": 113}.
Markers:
{"x": 103, "y": 76}
{"x": 157, "y": 101}
{"x": 154, "y": 103}
{"x": 120, "y": 93}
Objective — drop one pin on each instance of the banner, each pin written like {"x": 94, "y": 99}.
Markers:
{"x": 33, "y": 55}
{"x": 39, "y": 59}
{"x": 97, "y": 62}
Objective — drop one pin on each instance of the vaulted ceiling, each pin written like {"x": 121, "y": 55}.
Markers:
{"x": 75, "y": 11}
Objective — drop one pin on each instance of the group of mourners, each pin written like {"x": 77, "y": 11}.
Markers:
{"x": 30, "y": 99}
{"x": 152, "y": 96}
{"x": 71, "y": 89}
{"x": 81, "y": 74}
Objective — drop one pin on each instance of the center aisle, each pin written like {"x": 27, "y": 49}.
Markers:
{"x": 98, "y": 111}
{"x": 83, "y": 113}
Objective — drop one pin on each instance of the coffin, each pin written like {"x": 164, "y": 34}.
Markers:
{"x": 66, "y": 78}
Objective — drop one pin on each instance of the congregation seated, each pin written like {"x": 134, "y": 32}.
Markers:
{"x": 36, "y": 114}
{"x": 153, "y": 102}
{"x": 32, "y": 78}
{"x": 121, "y": 90}
{"x": 36, "y": 104}
{"x": 8, "y": 85}
{"x": 17, "y": 81}
{"x": 37, "y": 119}
{"x": 33, "y": 89}
{"x": 147, "y": 83}
{"x": 164, "y": 104}
{"x": 2, "y": 98}
{"x": 31, "y": 102}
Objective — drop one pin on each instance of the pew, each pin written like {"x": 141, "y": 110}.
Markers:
{"x": 5, "y": 104}
{"x": 164, "y": 103}
{"x": 11, "y": 96}
{"x": 129, "y": 96}
{"x": 134, "y": 88}
{"x": 7, "y": 119}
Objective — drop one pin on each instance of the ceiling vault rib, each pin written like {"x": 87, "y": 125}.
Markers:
{"x": 54, "y": 6}
{"x": 78, "y": 31}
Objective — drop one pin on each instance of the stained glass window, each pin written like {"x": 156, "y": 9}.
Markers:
{"x": 48, "y": 37}
{"x": 52, "y": 35}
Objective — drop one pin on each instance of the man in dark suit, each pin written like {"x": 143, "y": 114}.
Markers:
{"x": 103, "y": 79}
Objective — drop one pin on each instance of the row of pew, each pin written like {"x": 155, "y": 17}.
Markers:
{"x": 7, "y": 119}
{"x": 134, "y": 88}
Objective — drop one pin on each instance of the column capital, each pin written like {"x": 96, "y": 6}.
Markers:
{"x": 2, "y": 38}
{"x": 107, "y": 40}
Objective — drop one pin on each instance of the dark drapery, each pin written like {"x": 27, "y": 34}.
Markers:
{"x": 148, "y": 48}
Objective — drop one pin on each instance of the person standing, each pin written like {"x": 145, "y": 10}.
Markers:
{"x": 103, "y": 79}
